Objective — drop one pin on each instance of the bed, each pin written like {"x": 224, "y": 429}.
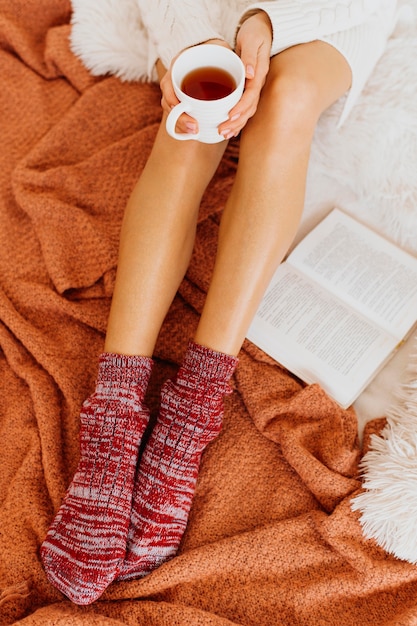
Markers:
{"x": 272, "y": 537}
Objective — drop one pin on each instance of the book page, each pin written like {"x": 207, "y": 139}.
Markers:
{"x": 365, "y": 270}
{"x": 318, "y": 337}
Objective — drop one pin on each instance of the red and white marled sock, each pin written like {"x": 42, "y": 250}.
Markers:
{"x": 87, "y": 540}
{"x": 190, "y": 417}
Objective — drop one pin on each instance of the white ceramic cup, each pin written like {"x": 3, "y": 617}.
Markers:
{"x": 208, "y": 113}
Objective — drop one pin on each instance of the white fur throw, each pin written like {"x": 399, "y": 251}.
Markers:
{"x": 115, "y": 45}
{"x": 368, "y": 167}
{"x": 388, "y": 504}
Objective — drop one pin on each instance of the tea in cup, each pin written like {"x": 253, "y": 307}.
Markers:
{"x": 208, "y": 81}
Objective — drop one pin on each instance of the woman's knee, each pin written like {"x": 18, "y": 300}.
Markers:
{"x": 291, "y": 100}
{"x": 302, "y": 82}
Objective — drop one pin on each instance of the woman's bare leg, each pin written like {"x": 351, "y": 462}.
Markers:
{"x": 266, "y": 202}
{"x": 157, "y": 239}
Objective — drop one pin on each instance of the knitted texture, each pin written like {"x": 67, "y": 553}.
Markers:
{"x": 87, "y": 539}
{"x": 190, "y": 418}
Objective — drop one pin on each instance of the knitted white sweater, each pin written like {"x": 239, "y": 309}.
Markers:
{"x": 173, "y": 26}
{"x": 125, "y": 37}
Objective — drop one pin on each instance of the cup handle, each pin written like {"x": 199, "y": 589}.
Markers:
{"x": 172, "y": 120}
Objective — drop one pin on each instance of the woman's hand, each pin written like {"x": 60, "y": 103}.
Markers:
{"x": 185, "y": 124}
{"x": 253, "y": 44}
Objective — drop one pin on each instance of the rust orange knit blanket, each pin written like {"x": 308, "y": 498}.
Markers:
{"x": 271, "y": 538}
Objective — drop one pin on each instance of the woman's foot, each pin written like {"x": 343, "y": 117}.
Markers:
{"x": 87, "y": 540}
{"x": 190, "y": 418}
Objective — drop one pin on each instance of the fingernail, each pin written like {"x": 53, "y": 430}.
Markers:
{"x": 235, "y": 117}
{"x": 226, "y": 132}
{"x": 250, "y": 71}
{"x": 191, "y": 127}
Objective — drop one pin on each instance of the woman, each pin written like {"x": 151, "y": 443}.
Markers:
{"x": 116, "y": 521}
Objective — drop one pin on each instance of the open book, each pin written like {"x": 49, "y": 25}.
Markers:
{"x": 338, "y": 307}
